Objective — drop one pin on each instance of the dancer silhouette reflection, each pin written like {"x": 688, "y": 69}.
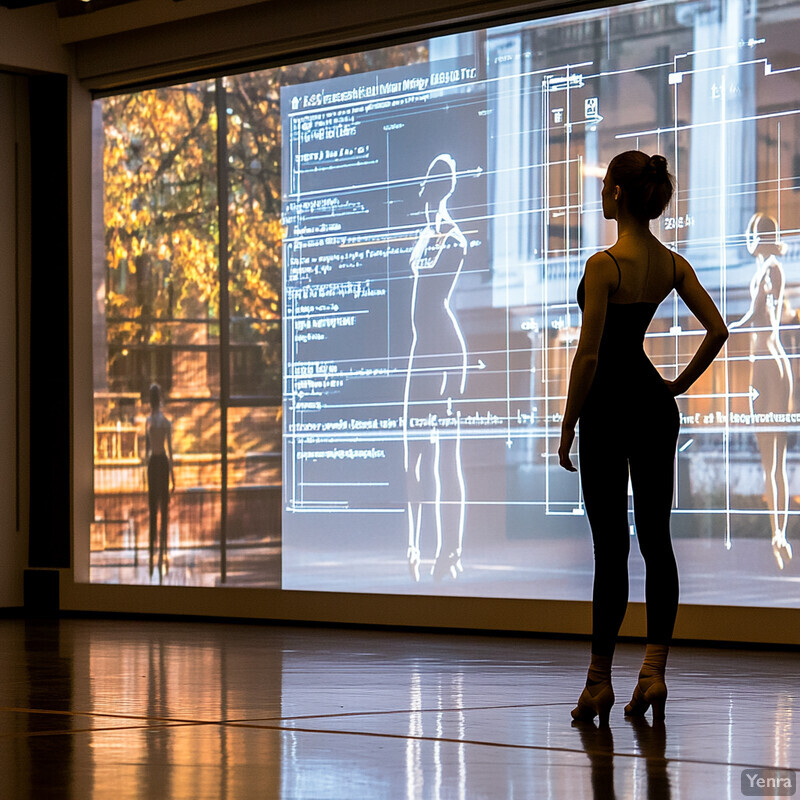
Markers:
{"x": 613, "y": 379}
{"x": 771, "y": 380}
{"x": 651, "y": 744}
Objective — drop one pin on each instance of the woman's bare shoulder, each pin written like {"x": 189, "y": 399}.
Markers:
{"x": 682, "y": 264}
{"x": 600, "y": 270}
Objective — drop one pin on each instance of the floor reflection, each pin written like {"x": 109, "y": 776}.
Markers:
{"x": 132, "y": 709}
{"x": 47, "y": 673}
{"x": 444, "y": 714}
{"x": 650, "y": 742}
{"x": 598, "y": 741}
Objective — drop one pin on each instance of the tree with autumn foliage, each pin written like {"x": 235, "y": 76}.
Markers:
{"x": 161, "y": 221}
{"x": 161, "y": 214}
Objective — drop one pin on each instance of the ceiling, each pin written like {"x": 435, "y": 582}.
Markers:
{"x": 69, "y": 8}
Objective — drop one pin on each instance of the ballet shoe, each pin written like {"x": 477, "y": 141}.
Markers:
{"x": 413, "y": 562}
{"x": 650, "y": 691}
{"x": 594, "y": 705}
{"x": 781, "y": 549}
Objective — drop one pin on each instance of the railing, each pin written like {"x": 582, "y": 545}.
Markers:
{"x": 122, "y": 521}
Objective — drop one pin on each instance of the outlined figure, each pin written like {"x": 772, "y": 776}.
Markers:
{"x": 160, "y": 471}
{"x": 436, "y": 373}
{"x": 771, "y": 380}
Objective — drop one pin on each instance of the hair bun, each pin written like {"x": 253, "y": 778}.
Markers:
{"x": 657, "y": 166}
{"x": 646, "y": 181}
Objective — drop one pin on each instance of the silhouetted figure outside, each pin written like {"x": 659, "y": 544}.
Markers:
{"x": 629, "y": 422}
{"x": 160, "y": 471}
{"x": 771, "y": 380}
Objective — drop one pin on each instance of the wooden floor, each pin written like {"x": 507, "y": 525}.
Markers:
{"x": 142, "y": 709}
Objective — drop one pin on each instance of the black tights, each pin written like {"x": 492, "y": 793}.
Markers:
{"x": 158, "y": 499}
{"x": 606, "y": 454}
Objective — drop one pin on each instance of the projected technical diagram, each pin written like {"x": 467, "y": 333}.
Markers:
{"x": 437, "y": 370}
{"x": 437, "y": 220}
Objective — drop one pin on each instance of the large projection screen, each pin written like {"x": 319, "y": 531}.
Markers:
{"x": 365, "y": 389}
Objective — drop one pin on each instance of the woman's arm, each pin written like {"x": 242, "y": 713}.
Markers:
{"x": 599, "y": 278}
{"x": 702, "y": 306}
{"x": 169, "y": 452}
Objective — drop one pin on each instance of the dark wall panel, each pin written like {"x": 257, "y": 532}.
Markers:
{"x": 49, "y": 540}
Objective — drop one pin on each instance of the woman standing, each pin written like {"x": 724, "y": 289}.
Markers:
{"x": 629, "y": 422}
{"x": 160, "y": 470}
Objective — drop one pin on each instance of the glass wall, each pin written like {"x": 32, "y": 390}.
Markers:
{"x": 353, "y": 281}
{"x": 188, "y": 297}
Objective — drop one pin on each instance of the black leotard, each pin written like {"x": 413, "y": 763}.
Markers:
{"x": 629, "y": 427}
{"x": 158, "y": 498}
{"x": 625, "y": 376}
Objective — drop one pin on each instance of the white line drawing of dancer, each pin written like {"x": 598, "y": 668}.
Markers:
{"x": 771, "y": 380}
{"x": 437, "y": 370}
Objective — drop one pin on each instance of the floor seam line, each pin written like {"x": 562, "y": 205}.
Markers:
{"x": 116, "y": 728}
{"x": 508, "y": 745}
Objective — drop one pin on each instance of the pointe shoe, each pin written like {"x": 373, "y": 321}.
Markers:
{"x": 649, "y": 691}
{"x": 594, "y": 705}
{"x": 781, "y": 549}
